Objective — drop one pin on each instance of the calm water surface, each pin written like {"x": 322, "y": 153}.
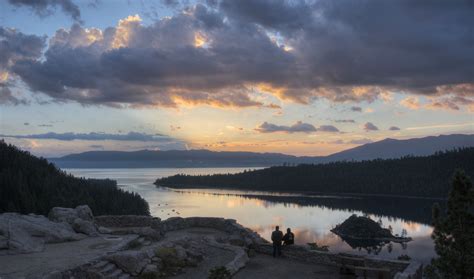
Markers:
{"x": 310, "y": 217}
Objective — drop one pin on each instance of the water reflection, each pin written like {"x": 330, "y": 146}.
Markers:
{"x": 310, "y": 217}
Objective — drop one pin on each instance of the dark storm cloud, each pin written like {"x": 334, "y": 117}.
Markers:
{"x": 298, "y": 127}
{"x": 94, "y": 136}
{"x": 219, "y": 53}
{"x": 16, "y": 46}
{"x": 46, "y": 7}
{"x": 369, "y": 126}
{"x": 275, "y": 14}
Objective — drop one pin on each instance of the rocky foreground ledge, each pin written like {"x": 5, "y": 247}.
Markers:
{"x": 72, "y": 243}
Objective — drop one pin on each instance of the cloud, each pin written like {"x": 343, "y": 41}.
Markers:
{"x": 344, "y": 121}
{"x": 439, "y": 126}
{"x": 394, "y": 128}
{"x": 26, "y": 124}
{"x": 7, "y": 98}
{"x": 445, "y": 104}
{"x": 94, "y": 136}
{"x": 354, "y": 141}
{"x": 45, "y": 125}
{"x": 453, "y": 102}
{"x": 369, "y": 126}
{"x": 16, "y": 46}
{"x": 219, "y": 53}
{"x": 46, "y": 7}
{"x": 327, "y": 128}
{"x": 361, "y": 141}
{"x": 96, "y": 146}
{"x": 298, "y": 127}
{"x": 411, "y": 103}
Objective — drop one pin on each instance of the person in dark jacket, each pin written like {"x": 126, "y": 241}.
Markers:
{"x": 277, "y": 237}
{"x": 288, "y": 238}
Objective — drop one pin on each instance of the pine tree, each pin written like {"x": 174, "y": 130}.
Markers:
{"x": 453, "y": 234}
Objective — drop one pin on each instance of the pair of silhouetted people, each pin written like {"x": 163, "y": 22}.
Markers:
{"x": 278, "y": 237}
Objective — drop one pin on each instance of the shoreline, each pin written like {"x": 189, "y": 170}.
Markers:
{"x": 308, "y": 194}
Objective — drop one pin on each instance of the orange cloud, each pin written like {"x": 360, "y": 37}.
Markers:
{"x": 411, "y": 103}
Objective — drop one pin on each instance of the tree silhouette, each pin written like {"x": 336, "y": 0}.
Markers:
{"x": 32, "y": 185}
{"x": 453, "y": 233}
{"x": 407, "y": 176}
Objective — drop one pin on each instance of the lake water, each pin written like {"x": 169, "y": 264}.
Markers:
{"x": 309, "y": 217}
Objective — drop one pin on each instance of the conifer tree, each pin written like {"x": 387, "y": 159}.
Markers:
{"x": 453, "y": 233}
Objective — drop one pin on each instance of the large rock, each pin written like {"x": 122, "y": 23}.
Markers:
{"x": 62, "y": 214}
{"x": 80, "y": 218}
{"x": 132, "y": 262}
{"x": 20, "y": 241}
{"x": 123, "y": 221}
{"x": 84, "y": 212}
{"x": 28, "y": 233}
{"x": 241, "y": 235}
{"x": 69, "y": 215}
{"x": 85, "y": 227}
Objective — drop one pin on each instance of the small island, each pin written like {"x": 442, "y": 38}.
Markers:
{"x": 364, "y": 228}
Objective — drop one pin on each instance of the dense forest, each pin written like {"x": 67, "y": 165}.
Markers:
{"x": 32, "y": 185}
{"x": 407, "y": 176}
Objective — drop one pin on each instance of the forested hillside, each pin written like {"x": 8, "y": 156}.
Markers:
{"x": 32, "y": 185}
{"x": 408, "y": 176}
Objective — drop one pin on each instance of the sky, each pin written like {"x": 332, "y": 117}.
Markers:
{"x": 297, "y": 77}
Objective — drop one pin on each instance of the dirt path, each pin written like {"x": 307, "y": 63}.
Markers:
{"x": 263, "y": 266}
{"x": 59, "y": 256}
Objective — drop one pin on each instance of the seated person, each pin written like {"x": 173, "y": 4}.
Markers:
{"x": 289, "y": 237}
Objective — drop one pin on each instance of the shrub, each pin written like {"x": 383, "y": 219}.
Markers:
{"x": 404, "y": 258}
{"x": 314, "y": 246}
{"x": 134, "y": 244}
{"x": 220, "y": 272}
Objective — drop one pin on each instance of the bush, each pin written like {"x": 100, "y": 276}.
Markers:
{"x": 404, "y": 258}
{"x": 220, "y": 272}
{"x": 134, "y": 244}
{"x": 169, "y": 257}
{"x": 314, "y": 246}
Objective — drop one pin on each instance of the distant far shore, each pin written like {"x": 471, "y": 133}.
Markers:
{"x": 262, "y": 193}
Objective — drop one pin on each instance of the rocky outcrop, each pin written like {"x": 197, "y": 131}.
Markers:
{"x": 80, "y": 218}
{"x": 85, "y": 227}
{"x": 360, "y": 227}
{"x": 29, "y": 233}
{"x": 151, "y": 248}
{"x": 144, "y": 226}
{"x": 237, "y": 233}
{"x": 132, "y": 262}
{"x": 127, "y": 221}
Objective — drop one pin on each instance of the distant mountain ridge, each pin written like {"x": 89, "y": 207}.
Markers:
{"x": 393, "y": 148}
{"x": 384, "y": 149}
